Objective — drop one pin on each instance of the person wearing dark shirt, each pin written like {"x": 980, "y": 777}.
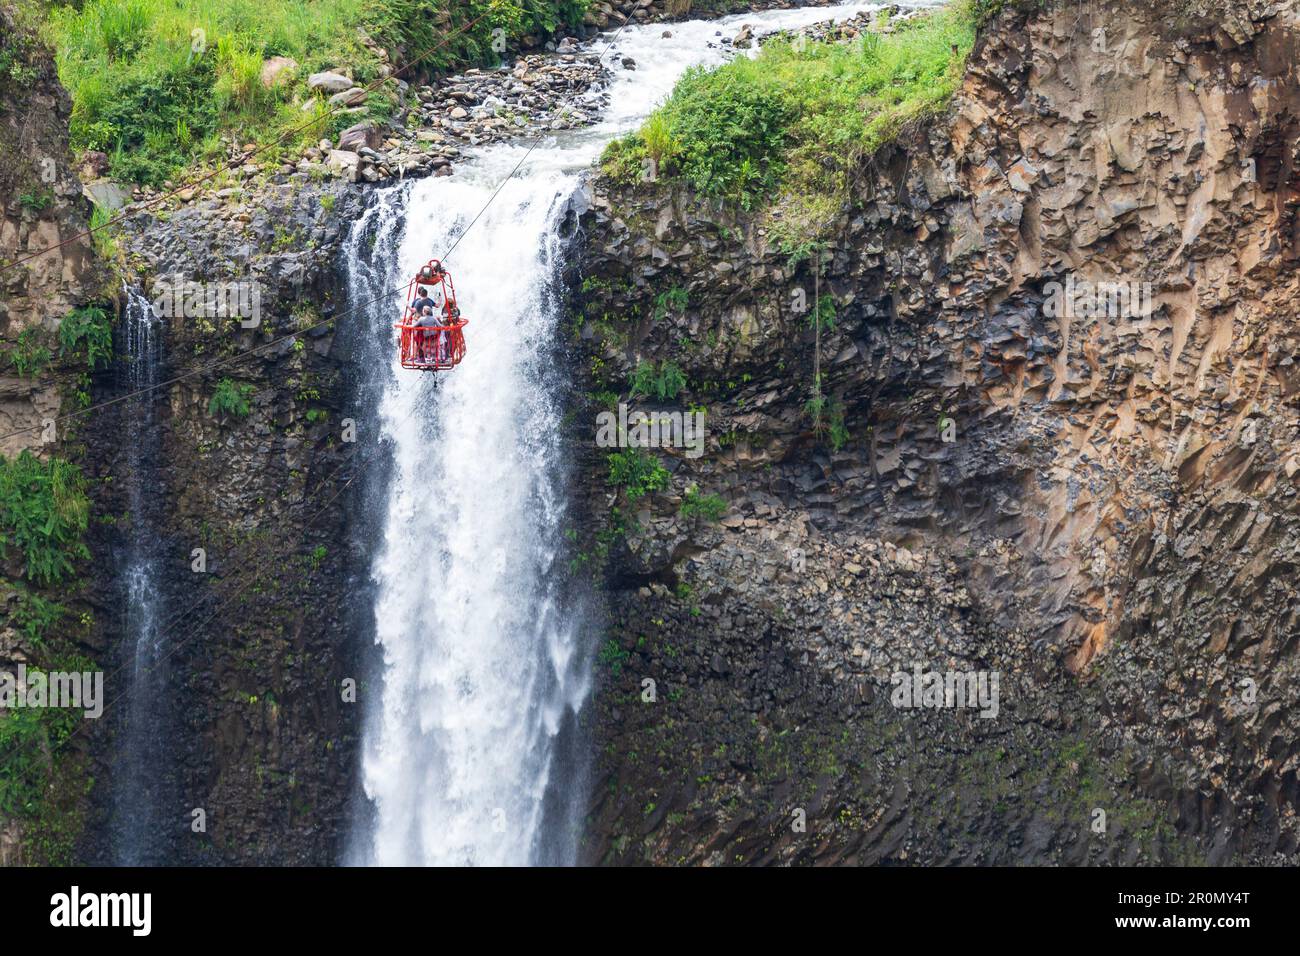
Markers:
{"x": 423, "y": 301}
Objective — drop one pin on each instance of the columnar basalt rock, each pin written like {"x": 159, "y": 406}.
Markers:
{"x": 1061, "y": 361}
{"x": 261, "y": 638}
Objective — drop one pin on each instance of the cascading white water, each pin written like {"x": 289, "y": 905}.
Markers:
{"x": 482, "y": 664}
{"x": 139, "y": 764}
{"x": 478, "y": 663}
{"x": 142, "y": 344}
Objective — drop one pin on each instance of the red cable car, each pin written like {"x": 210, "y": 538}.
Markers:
{"x": 432, "y": 348}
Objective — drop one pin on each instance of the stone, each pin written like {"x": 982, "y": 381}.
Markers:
{"x": 353, "y": 97}
{"x": 365, "y": 135}
{"x": 278, "y": 70}
{"x": 107, "y": 195}
{"x": 93, "y": 164}
{"x": 329, "y": 82}
{"x": 1021, "y": 176}
{"x": 345, "y": 163}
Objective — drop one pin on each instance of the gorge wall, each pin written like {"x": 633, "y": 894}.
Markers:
{"x": 1100, "y": 509}
{"x": 255, "y": 564}
{"x": 254, "y": 647}
{"x": 1111, "y": 527}
{"x": 46, "y": 621}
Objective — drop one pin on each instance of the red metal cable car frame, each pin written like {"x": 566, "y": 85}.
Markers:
{"x": 420, "y": 343}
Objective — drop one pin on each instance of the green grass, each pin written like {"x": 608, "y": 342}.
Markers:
{"x": 44, "y": 512}
{"x": 788, "y": 127}
{"x": 157, "y": 83}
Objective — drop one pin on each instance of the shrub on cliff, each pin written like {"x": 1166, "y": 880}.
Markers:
{"x": 663, "y": 381}
{"x": 26, "y": 736}
{"x": 230, "y": 398}
{"x": 790, "y": 124}
{"x": 19, "y": 50}
{"x": 637, "y": 472}
{"x": 709, "y": 507}
{"x": 44, "y": 512}
{"x": 90, "y": 330}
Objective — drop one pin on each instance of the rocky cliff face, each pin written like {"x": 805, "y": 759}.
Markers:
{"x": 255, "y": 558}
{"x": 252, "y": 726}
{"x": 40, "y": 207}
{"x": 1098, "y": 510}
{"x": 48, "y": 269}
{"x": 1091, "y": 497}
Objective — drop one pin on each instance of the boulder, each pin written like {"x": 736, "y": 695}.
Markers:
{"x": 93, "y": 164}
{"x": 362, "y": 135}
{"x": 107, "y": 195}
{"x": 353, "y": 97}
{"x": 344, "y": 162}
{"x": 278, "y": 70}
{"x": 329, "y": 82}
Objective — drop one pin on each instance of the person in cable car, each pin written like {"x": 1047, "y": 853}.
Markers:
{"x": 432, "y": 344}
{"x": 428, "y": 307}
{"x": 423, "y": 301}
{"x": 431, "y": 325}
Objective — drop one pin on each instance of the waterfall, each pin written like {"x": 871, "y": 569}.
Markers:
{"x": 485, "y": 667}
{"x": 140, "y": 767}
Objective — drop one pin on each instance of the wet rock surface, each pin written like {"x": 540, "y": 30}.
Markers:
{"x": 262, "y": 641}
{"x": 1100, "y": 509}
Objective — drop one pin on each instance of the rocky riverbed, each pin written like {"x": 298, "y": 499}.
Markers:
{"x": 534, "y": 93}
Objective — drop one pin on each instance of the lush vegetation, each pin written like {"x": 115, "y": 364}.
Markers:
{"x": 42, "y": 780}
{"x": 157, "y": 83}
{"x": 88, "y": 330}
{"x": 34, "y": 616}
{"x": 44, "y": 512}
{"x": 637, "y": 472}
{"x": 26, "y": 737}
{"x": 230, "y": 398}
{"x": 662, "y": 381}
{"x": 789, "y": 126}
{"x": 18, "y": 47}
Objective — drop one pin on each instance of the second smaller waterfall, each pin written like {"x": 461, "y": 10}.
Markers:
{"x": 141, "y": 764}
